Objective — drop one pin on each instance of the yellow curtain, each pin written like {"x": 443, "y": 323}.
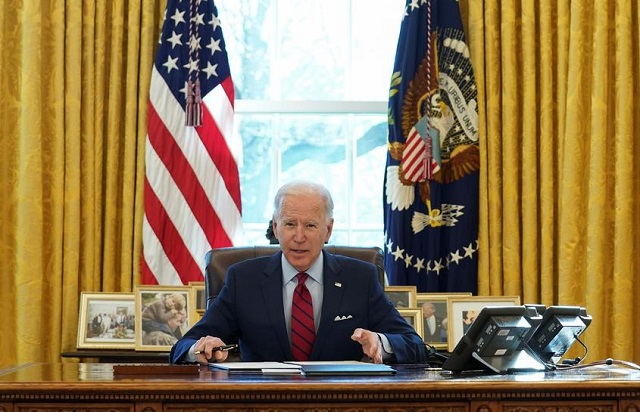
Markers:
{"x": 560, "y": 144}
{"x": 74, "y": 81}
{"x": 559, "y": 194}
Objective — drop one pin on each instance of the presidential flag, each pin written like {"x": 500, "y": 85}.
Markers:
{"x": 431, "y": 177}
{"x": 191, "y": 189}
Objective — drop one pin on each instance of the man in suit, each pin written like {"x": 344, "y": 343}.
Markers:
{"x": 351, "y": 316}
{"x": 433, "y": 326}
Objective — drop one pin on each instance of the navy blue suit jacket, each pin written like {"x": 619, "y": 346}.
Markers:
{"x": 249, "y": 310}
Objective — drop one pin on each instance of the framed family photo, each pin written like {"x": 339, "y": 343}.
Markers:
{"x": 402, "y": 296}
{"x": 163, "y": 315}
{"x": 434, "y": 317}
{"x": 414, "y": 317}
{"x": 463, "y": 310}
{"x": 106, "y": 321}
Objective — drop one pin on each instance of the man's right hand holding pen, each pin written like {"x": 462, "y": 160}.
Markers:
{"x": 211, "y": 349}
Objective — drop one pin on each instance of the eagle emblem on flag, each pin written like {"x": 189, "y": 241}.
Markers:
{"x": 441, "y": 135}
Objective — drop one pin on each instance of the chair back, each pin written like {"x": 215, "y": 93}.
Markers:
{"x": 218, "y": 260}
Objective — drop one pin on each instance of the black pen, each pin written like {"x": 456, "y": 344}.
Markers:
{"x": 218, "y": 348}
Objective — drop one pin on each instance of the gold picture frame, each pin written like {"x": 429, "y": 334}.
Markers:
{"x": 461, "y": 310}
{"x": 435, "y": 334}
{"x": 199, "y": 297}
{"x": 402, "y": 296}
{"x": 106, "y": 321}
{"x": 414, "y": 317}
{"x": 163, "y": 315}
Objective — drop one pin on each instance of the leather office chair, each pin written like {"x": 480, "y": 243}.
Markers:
{"x": 218, "y": 260}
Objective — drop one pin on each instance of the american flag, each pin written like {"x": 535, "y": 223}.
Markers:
{"x": 192, "y": 190}
{"x": 432, "y": 175}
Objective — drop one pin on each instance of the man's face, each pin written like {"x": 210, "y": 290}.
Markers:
{"x": 177, "y": 320}
{"x": 428, "y": 310}
{"x": 173, "y": 323}
{"x": 302, "y": 229}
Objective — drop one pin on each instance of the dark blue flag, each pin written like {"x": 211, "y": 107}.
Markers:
{"x": 431, "y": 178}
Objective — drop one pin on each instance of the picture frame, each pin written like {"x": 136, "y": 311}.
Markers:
{"x": 461, "y": 310}
{"x": 414, "y": 317}
{"x": 200, "y": 297}
{"x": 106, "y": 321}
{"x": 435, "y": 331}
{"x": 163, "y": 315}
{"x": 402, "y": 296}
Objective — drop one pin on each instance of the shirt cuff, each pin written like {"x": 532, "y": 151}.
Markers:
{"x": 387, "y": 349}
{"x": 191, "y": 356}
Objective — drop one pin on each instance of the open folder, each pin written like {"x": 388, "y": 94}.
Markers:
{"x": 344, "y": 368}
{"x": 349, "y": 368}
{"x": 261, "y": 368}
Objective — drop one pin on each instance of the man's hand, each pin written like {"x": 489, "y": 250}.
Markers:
{"x": 370, "y": 342}
{"x": 205, "y": 353}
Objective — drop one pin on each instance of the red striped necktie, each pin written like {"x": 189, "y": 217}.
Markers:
{"x": 303, "y": 331}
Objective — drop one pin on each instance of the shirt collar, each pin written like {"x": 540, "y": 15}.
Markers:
{"x": 314, "y": 272}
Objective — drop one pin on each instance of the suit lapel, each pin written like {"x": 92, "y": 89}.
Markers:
{"x": 271, "y": 287}
{"x": 333, "y": 292}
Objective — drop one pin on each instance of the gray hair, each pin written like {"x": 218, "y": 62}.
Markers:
{"x": 302, "y": 187}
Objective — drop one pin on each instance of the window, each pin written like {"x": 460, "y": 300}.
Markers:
{"x": 312, "y": 84}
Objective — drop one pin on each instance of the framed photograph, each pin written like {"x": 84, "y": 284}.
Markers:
{"x": 163, "y": 315}
{"x": 200, "y": 297}
{"x": 462, "y": 311}
{"x": 414, "y": 317}
{"x": 106, "y": 321}
{"x": 401, "y": 296}
{"x": 433, "y": 315}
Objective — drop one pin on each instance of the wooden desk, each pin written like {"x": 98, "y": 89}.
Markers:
{"x": 62, "y": 387}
